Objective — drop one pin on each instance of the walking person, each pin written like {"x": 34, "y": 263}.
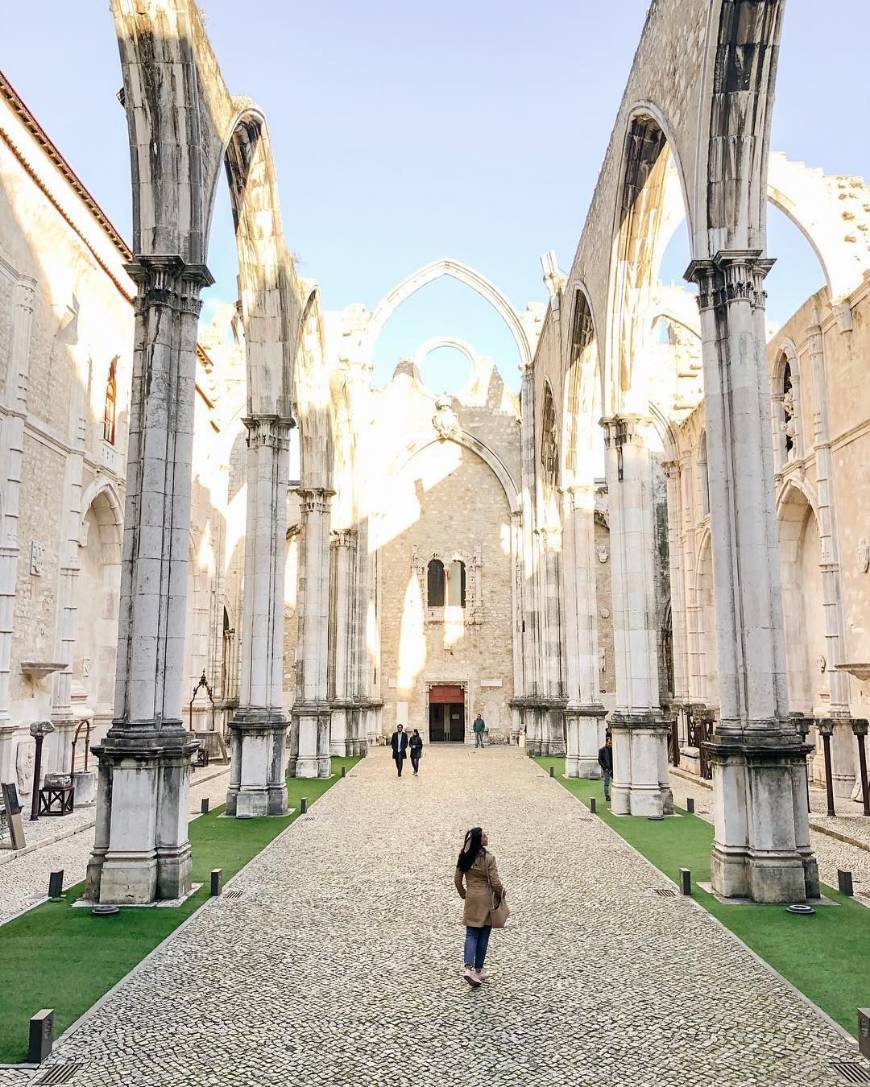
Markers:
{"x": 415, "y": 747}
{"x": 479, "y": 728}
{"x": 605, "y": 761}
{"x": 399, "y": 744}
{"x": 485, "y": 907}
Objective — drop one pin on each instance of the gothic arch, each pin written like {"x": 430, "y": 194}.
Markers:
{"x": 269, "y": 289}
{"x": 458, "y": 271}
{"x": 102, "y": 496}
{"x": 801, "y": 592}
{"x": 818, "y": 206}
{"x": 475, "y": 445}
{"x": 582, "y": 391}
{"x": 650, "y": 199}
{"x": 313, "y": 407}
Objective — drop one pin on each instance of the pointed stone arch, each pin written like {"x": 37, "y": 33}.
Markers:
{"x": 463, "y": 274}
{"x": 469, "y": 441}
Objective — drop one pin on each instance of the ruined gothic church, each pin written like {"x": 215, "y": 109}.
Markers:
{"x": 227, "y": 534}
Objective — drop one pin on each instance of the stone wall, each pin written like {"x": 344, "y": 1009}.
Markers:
{"x": 451, "y": 504}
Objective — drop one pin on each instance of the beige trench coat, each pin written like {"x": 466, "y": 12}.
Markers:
{"x": 476, "y": 892}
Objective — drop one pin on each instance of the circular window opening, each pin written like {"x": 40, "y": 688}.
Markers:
{"x": 445, "y": 370}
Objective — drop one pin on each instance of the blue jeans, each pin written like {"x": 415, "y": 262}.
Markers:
{"x": 476, "y": 943}
{"x": 478, "y": 739}
{"x": 608, "y": 777}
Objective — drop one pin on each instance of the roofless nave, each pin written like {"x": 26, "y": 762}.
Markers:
{"x": 664, "y": 522}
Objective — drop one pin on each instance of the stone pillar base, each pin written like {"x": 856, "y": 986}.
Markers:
{"x": 142, "y": 807}
{"x": 583, "y": 727}
{"x": 639, "y": 755}
{"x": 309, "y": 741}
{"x": 257, "y": 741}
{"x": 762, "y": 847}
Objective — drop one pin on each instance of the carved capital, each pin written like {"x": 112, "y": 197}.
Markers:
{"x": 268, "y": 431}
{"x": 315, "y": 500}
{"x": 735, "y": 275}
{"x": 168, "y": 281}
{"x": 343, "y": 537}
{"x": 620, "y": 430}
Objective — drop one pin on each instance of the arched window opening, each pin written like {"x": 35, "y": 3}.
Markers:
{"x": 549, "y": 444}
{"x": 785, "y": 410}
{"x": 788, "y": 412}
{"x": 110, "y": 407}
{"x": 435, "y": 584}
{"x": 456, "y": 585}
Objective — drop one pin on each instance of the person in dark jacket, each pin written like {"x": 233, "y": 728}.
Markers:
{"x": 605, "y": 761}
{"x": 399, "y": 744}
{"x": 415, "y": 746}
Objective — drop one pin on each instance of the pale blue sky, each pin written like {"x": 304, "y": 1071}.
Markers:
{"x": 405, "y": 132}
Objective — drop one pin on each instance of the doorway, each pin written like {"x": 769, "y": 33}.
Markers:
{"x": 447, "y": 714}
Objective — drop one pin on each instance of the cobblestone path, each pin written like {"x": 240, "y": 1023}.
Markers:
{"x": 340, "y": 963}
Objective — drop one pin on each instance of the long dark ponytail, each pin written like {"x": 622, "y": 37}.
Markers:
{"x": 472, "y": 847}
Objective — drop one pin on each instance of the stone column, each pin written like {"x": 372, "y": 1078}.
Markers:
{"x": 309, "y": 755}
{"x": 59, "y": 743}
{"x": 531, "y": 616}
{"x": 640, "y": 734}
{"x": 141, "y": 850}
{"x": 550, "y": 699}
{"x": 584, "y": 711}
{"x": 678, "y": 585}
{"x": 11, "y": 451}
{"x": 517, "y": 614}
{"x": 843, "y": 748}
{"x": 258, "y": 729}
{"x": 341, "y": 738}
{"x": 761, "y": 847}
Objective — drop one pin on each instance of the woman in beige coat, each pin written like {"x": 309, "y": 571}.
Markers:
{"x": 477, "y": 881}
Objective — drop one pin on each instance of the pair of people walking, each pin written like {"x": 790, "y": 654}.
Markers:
{"x": 477, "y": 880}
{"x": 404, "y": 745}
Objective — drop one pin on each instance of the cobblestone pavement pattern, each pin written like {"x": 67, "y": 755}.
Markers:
{"x": 831, "y": 853}
{"x": 24, "y": 877}
{"x": 341, "y": 961}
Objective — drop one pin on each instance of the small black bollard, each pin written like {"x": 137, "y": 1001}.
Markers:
{"x": 685, "y": 881}
{"x": 690, "y": 805}
{"x": 552, "y": 772}
{"x": 303, "y": 805}
{"x": 41, "y": 1036}
{"x": 593, "y": 805}
{"x": 864, "y": 1032}
{"x": 844, "y": 882}
{"x": 203, "y": 806}
{"x": 55, "y": 884}
{"x": 344, "y": 771}
{"x": 217, "y": 881}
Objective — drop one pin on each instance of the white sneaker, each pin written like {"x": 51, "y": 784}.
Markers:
{"x": 482, "y": 973}
{"x": 471, "y": 977}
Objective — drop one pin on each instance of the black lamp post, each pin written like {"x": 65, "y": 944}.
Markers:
{"x": 826, "y": 727}
{"x": 38, "y": 730}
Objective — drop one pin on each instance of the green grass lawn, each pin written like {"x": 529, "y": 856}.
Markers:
{"x": 64, "y": 958}
{"x": 826, "y": 956}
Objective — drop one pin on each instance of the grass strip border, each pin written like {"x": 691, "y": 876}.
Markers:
{"x": 825, "y": 973}
{"x": 104, "y": 956}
